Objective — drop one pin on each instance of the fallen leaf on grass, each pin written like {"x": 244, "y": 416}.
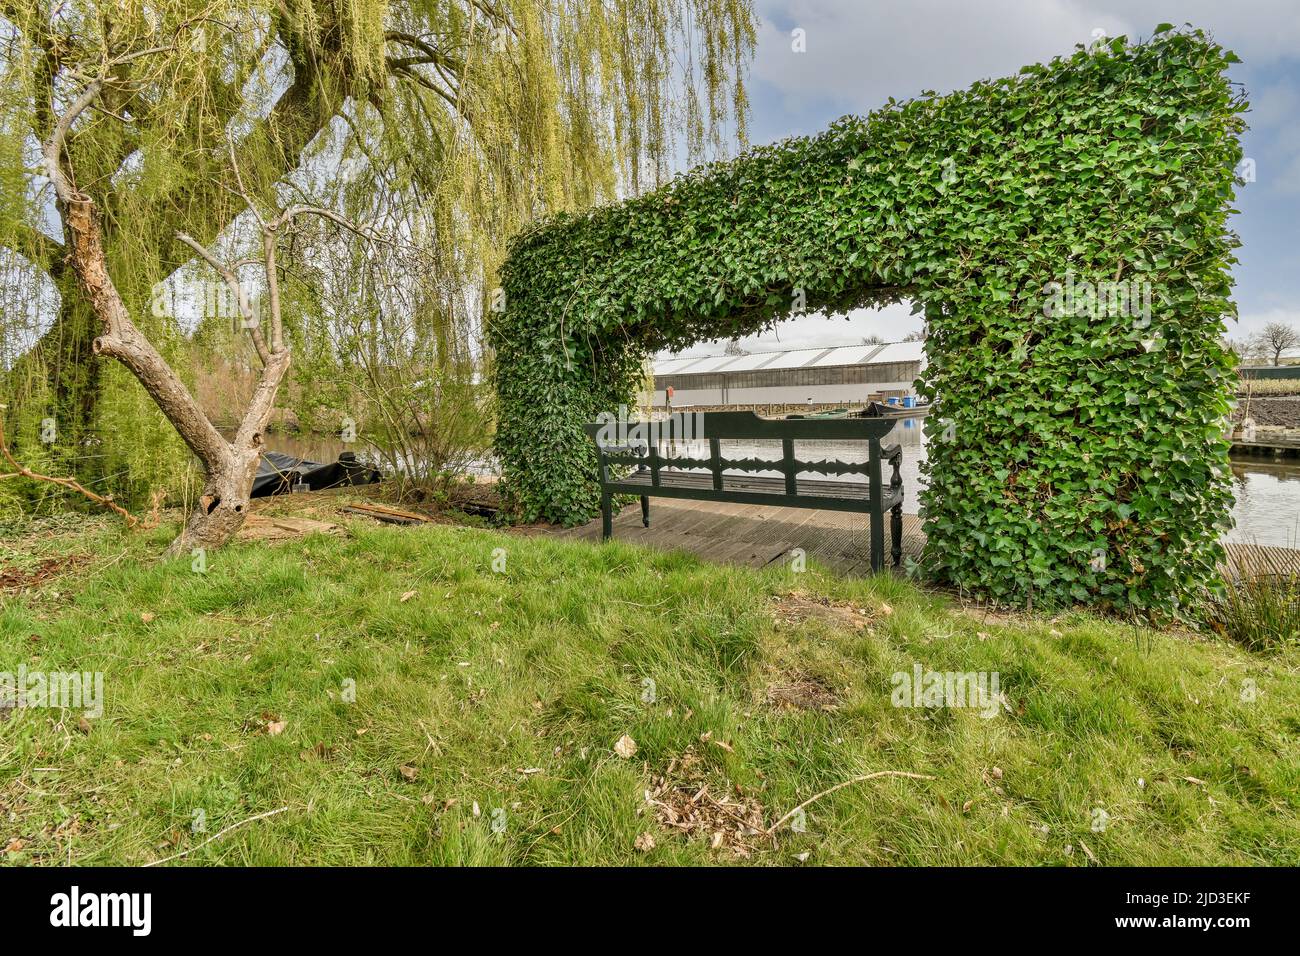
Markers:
{"x": 406, "y": 597}
{"x": 625, "y": 747}
{"x": 645, "y": 842}
{"x": 276, "y": 727}
{"x": 408, "y": 771}
{"x": 15, "y": 846}
{"x": 147, "y": 616}
{"x": 83, "y": 725}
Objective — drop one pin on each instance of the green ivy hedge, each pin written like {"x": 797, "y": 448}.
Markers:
{"x": 1076, "y": 451}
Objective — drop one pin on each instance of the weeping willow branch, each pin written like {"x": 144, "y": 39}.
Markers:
{"x": 471, "y": 118}
{"x": 22, "y": 471}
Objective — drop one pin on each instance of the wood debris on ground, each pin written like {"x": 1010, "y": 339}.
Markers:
{"x": 261, "y": 527}
{"x": 688, "y": 800}
{"x": 13, "y": 579}
{"x": 799, "y": 690}
{"x": 799, "y": 606}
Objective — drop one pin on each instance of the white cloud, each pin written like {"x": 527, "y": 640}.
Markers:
{"x": 1250, "y": 323}
{"x": 890, "y": 323}
{"x": 861, "y": 53}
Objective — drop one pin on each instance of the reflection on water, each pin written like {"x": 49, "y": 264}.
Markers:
{"x": 1267, "y": 509}
{"x": 327, "y": 448}
{"x": 321, "y": 448}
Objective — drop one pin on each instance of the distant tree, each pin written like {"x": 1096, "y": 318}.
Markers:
{"x": 1244, "y": 349}
{"x": 1275, "y": 338}
{"x": 915, "y": 336}
{"x": 873, "y": 340}
{"x": 733, "y": 348}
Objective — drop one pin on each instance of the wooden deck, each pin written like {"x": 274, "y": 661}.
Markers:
{"x": 756, "y": 536}
{"x": 1249, "y": 560}
{"x": 752, "y": 535}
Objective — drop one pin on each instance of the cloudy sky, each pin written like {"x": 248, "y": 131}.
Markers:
{"x": 860, "y": 52}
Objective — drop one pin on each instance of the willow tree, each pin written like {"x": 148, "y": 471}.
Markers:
{"x": 480, "y": 114}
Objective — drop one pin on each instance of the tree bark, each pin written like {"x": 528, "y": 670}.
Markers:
{"x": 223, "y": 505}
{"x": 229, "y": 467}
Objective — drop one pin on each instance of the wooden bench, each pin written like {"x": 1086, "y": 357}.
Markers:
{"x": 706, "y": 479}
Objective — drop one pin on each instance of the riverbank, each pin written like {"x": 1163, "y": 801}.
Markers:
{"x": 447, "y": 694}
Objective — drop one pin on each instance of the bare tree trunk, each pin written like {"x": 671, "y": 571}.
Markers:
{"x": 229, "y": 469}
{"x": 223, "y": 505}
{"x": 229, "y": 466}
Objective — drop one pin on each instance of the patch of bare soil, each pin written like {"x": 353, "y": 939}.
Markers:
{"x": 331, "y": 507}
{"x": 800, "y": 691}
{"x": 690, "y": 801}
{"x": 1278, "y": 412}
{"x": 799, "y": 606}
{"x": 14, "y": 579}
{"x": 986, "y": 614}
{"x": 264, "y": 527}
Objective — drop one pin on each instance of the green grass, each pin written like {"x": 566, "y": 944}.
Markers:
{"x": 479, "y": 676}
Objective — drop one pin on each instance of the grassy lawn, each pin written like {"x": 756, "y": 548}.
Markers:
{"x": 384, "y": 684}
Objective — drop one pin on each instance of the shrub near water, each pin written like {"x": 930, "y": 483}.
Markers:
{"x": 1259, "y": 611}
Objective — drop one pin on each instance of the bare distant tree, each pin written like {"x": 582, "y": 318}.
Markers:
{"x": 1244, "y": 349}
{"x": 915, "y": 336}
{"x": 1276, "y": 338}
{"x": 733, "y": 348}
{"x": 873, "y": 340}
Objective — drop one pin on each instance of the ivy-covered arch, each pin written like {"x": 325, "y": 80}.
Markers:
{"x": 1077, "y": 446}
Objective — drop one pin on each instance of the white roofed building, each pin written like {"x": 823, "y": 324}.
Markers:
{"x": 839, "y": 375}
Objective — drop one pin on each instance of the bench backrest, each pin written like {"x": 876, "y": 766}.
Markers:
{"x": 747, "y": 425}
{"x": 638, "y": 446}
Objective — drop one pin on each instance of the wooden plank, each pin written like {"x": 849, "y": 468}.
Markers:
{"x": 388, "y": 515}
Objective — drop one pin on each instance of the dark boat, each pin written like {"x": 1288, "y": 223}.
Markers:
{"x": 829, "y": 413}
{"x": 279, "y": 474}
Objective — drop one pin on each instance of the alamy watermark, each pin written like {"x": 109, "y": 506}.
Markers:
{"x": 210, "y": 299}
{"x": 1101, "y": 299}
{"x": 70, "y": 690}
{"x": 976, "y": 690}
{"x": 617, "y": 430}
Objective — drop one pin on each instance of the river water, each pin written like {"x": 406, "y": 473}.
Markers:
{"x": 1267, "y": 508}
